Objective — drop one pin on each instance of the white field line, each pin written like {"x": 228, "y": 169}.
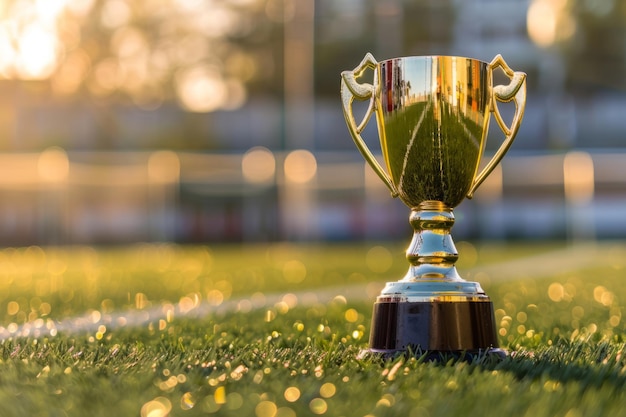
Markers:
{"x": 409, "y": 146}
{"x": 541, "y": 265}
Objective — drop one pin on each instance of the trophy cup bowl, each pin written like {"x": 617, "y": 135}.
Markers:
{"x": 432, "y": 114}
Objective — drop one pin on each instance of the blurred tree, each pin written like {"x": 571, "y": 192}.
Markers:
{"x": 596, "y": 53}
{"x": 203, "y": 53}
{"x": 588, "y": 35}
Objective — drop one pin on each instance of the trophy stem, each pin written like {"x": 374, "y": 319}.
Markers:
{"x": 432, "y": 309}
{"x": 432, "y": 253}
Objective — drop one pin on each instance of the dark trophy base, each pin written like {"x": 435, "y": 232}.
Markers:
{"x": 435, "y": 330}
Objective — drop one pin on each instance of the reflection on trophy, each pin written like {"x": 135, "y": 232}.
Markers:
{"x": 433, "y": 114}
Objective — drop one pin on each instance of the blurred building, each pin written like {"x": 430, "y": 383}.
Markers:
{"x": 153, "y": 118}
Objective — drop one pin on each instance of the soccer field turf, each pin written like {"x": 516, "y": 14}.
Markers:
{"x": 274, "y": 330}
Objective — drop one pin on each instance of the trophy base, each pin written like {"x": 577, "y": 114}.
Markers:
{"x": 461, "y": 328}
{"x": 490, "y": 354}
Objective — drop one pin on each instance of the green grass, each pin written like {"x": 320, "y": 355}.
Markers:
{"x": 297, "y": 356}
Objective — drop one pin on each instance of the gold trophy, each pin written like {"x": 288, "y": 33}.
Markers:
{"x": 433, "y": 114}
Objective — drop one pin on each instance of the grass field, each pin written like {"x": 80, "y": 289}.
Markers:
{"x": 274, "y": 331}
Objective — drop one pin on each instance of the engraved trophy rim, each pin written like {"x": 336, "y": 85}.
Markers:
{"x": 432, "y": 56}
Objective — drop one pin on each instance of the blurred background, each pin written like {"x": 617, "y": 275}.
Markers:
{"x": 220, "y": 120}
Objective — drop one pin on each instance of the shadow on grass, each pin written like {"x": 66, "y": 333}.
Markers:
{"x": 592, "y": 364}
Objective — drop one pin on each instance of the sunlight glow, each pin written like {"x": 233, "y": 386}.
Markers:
{"x": 578, "y": 177}
{"x": 115, "y": 13}
{"x": 37, "y": 55}
{"x": 69, "y": 77}
{"x": 43, "y": 39}
{"x": 542, "y": 23}
{"x": 491, "y": 189}
{"x": 53, "y": 165}
{"x": 258, "y": 165}
{"x": 159, "y": 407}
{"x": 201, "y": 89}
{"x": 29, "y": 42}
{"x": 548, "y": 22}
{"x": 164, "y": 167}
{"x": 300, "y": 166}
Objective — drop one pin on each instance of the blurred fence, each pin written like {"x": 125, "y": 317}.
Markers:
{"x": 55, "y": 197}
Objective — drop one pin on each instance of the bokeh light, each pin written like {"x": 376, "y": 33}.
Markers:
{"x": 378, "y": 259}
{"x": 548, "y": 22}
{"x": 578, "y": 177}
{"x": 265, "y": 409}
{"x": 29, "y": 44}
{"x": 258, "y": 165}
{"x": 164, "y": 167}
{"x": 201, "y": 89}
{"x": 53, "y": 165}
{"x": 300, "y": 166}
{"x": 159, "y": 407}
{"x": 541, "y": 22}
{"x": 292, "y": 394}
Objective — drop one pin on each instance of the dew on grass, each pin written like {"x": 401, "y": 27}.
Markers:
{"x": 578, "y": 312}
{"x": 244, "y": 306}
{"x": 158, "y": 407}
{"x": 215, "y": 297}
{"x": 285, "y": 412}
{"x": 265, "y": 409}
{"x": 220, "y": 395}
{"x": 281, "y": 307}
{"x": 258, "y": 377}
{"x": 378, "y": 259}
{"x": 188, "y": 303}
{"x": 209, "y": 405}
{"x": 291, "y": 300}
{"x": 234, "y": 401}
{"x": 386, "y": 401}
{"x": 556, "y": 292}
{"x": 238, "y": 372}
{"x": 351, "y": 315}
{"x": 603, "y": 296}
{"x": 258, "y": 300}
{"x": 294, "y": 271}
{"x": 13, "y": 308}
{"x": 340, "y": 299}
{"x": 292, "y": 394}
{"x": 551, "y": 386}
{"x": 187, "y": 401}
{"x": 169, "y": 384}
{"x": 318, "y": 406}
{"x": 327, "y": 390}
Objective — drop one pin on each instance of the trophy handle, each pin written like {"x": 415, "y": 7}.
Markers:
{"x": 351, "y": 89}
{"x": 515, "y": 91}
